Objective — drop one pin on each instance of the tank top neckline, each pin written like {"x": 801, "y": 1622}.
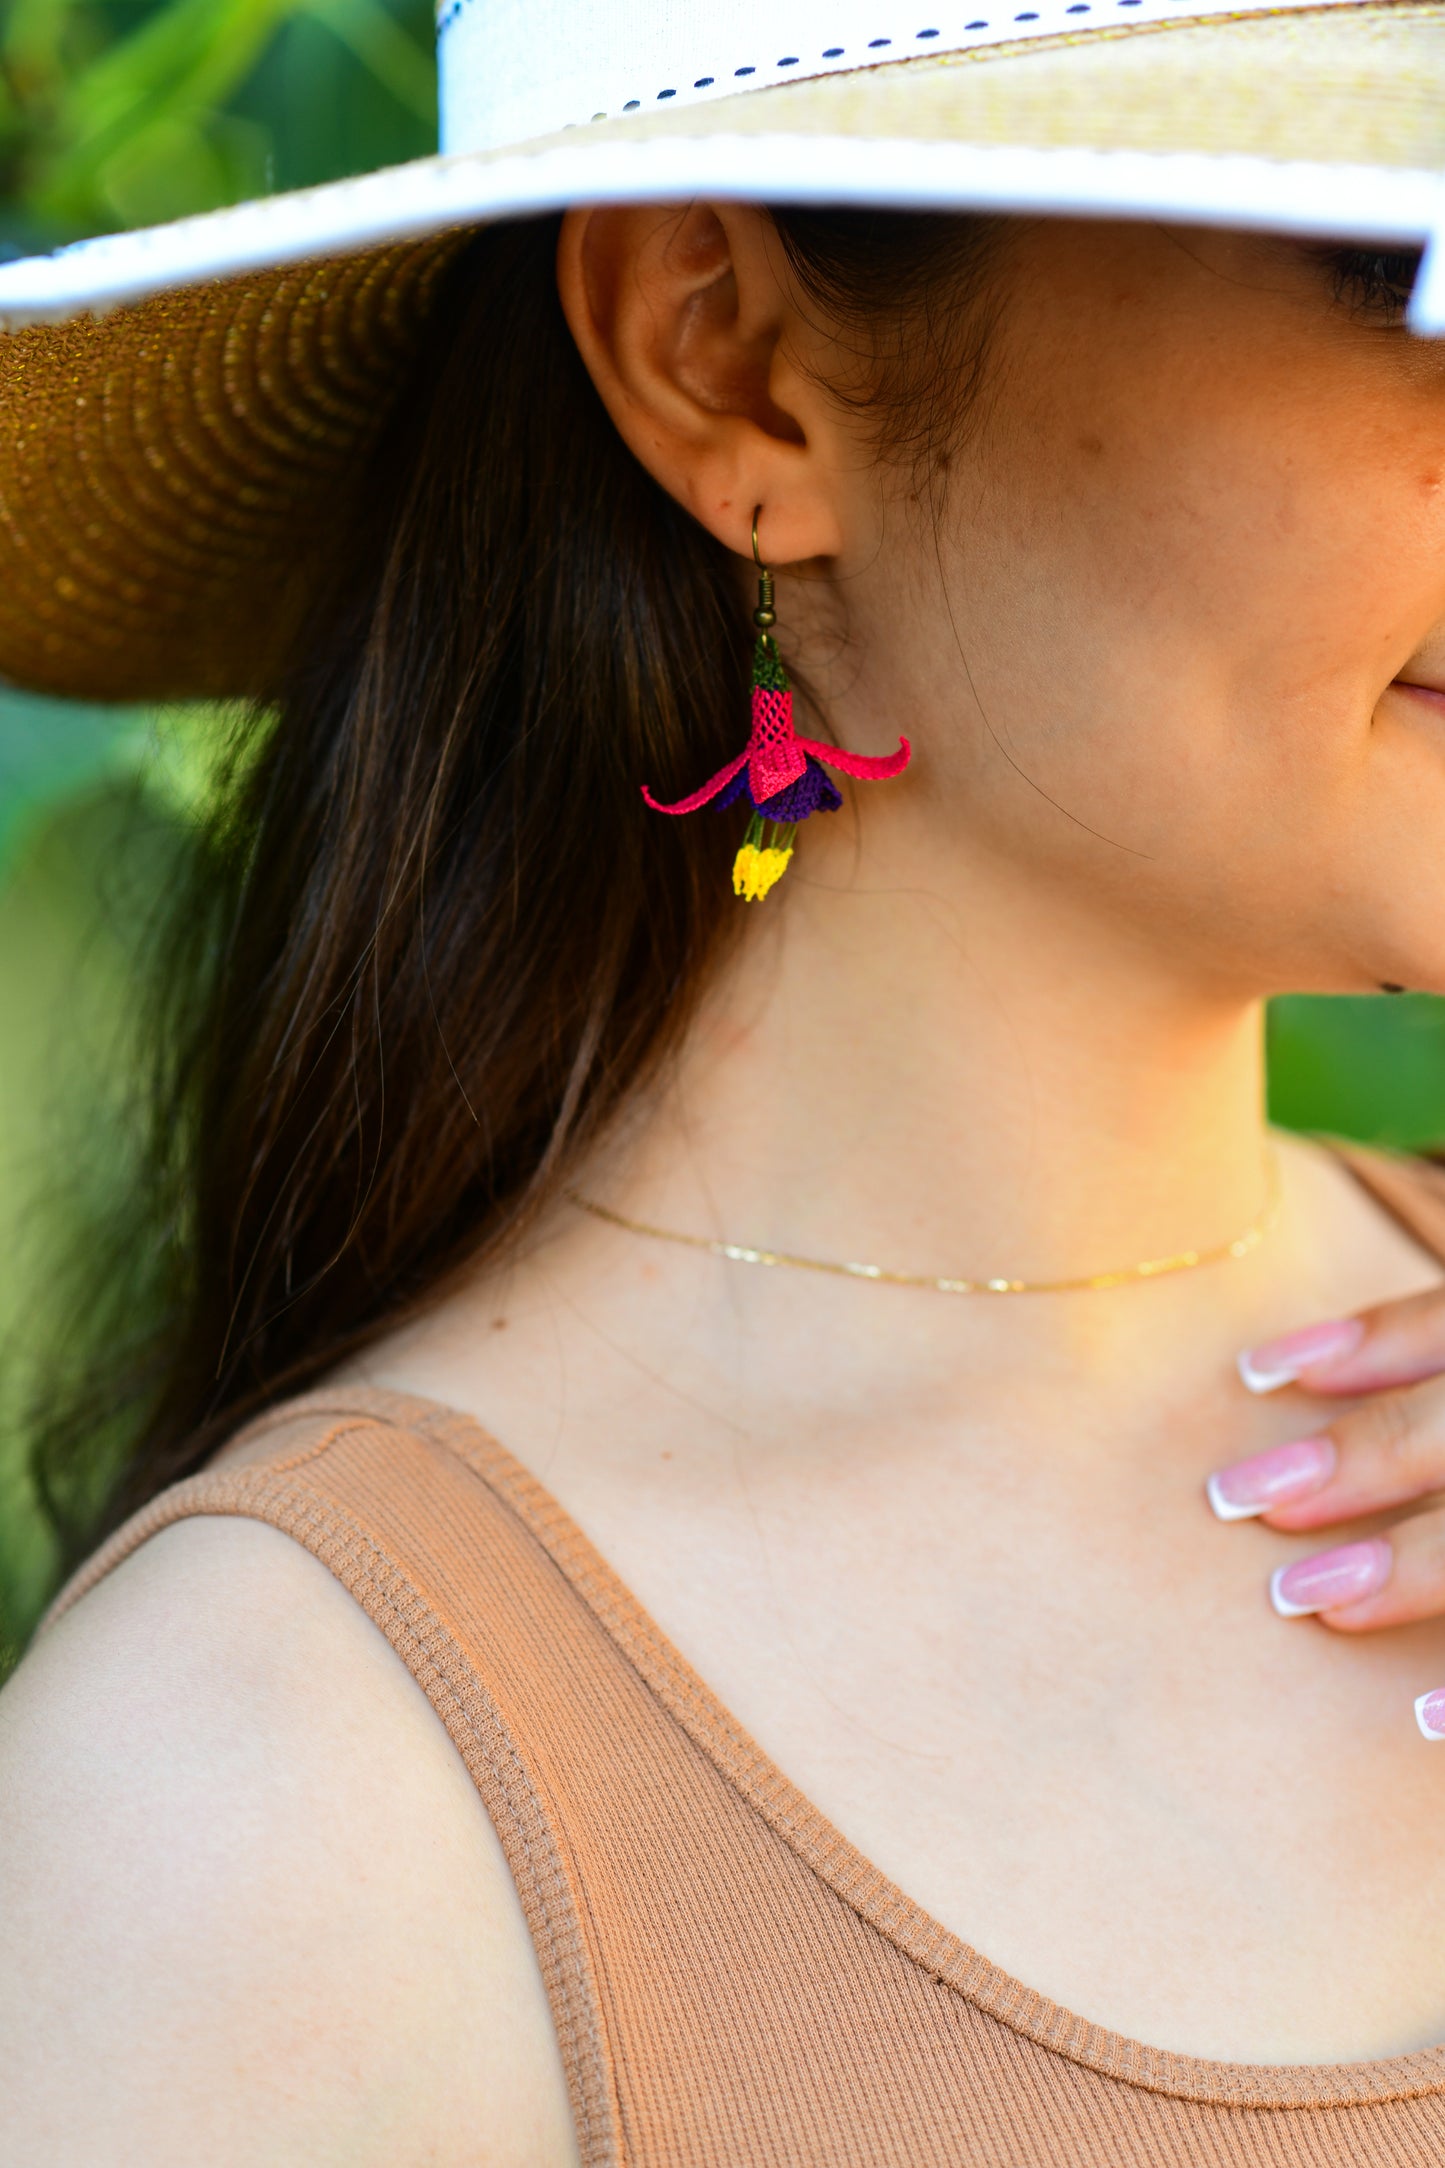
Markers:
{"x": 935, "y": 1948}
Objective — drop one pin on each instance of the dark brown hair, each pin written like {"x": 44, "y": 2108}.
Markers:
{"x": 431, "y": 940}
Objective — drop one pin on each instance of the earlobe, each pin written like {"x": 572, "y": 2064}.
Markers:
{"x": 682, "y": 316}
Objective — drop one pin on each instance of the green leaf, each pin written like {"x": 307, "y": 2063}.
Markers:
{"x": 406, "y": 69}
{"x": 118, "y": 112}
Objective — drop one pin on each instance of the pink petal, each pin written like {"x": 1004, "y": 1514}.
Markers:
{"x": 773, "y": 766}
{"x": 775, "y": 758}
{"x": 868, "y": 767}
{"x": 709, "y": 789}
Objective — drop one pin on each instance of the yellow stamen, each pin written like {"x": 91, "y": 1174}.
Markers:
{"x": 772, "y": 865}
{"x": 755, "y": 872}
{"x": 743, "y": 872}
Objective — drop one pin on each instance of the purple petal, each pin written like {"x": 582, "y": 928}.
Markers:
{"x": 813, "y": 792}
{"x": 737, "y": 788}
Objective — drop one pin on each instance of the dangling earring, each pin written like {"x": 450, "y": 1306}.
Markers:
{"x": 780, "y": 775}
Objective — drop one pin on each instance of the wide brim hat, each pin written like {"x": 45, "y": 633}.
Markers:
{"x": 182, "y": 406}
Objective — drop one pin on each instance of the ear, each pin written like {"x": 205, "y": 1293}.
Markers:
{"x": 687, "y": 324}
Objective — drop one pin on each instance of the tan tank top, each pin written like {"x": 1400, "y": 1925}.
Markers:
{"x": 733, "y": 1985}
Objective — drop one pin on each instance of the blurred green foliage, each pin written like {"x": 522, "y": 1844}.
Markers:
{"x": 123, "y": 113}
{"x": 126, "y": 112}
{"x": 79, "y": 892}
{"x": 1369, "y": 1066}
{"x": 118, "y": 113}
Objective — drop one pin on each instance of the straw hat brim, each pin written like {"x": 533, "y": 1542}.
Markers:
{"x": 185, "y": 403}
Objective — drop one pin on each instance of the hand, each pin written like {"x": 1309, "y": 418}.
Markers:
{"x": 1387, "y": 1452}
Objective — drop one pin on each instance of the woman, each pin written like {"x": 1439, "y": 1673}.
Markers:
{"x": 496, "y": 1099}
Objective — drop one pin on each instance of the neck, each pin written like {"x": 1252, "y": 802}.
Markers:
{"x": 998, "y": 1092}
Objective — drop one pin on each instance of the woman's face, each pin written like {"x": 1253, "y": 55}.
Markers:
{"x": 1171, "y": 641}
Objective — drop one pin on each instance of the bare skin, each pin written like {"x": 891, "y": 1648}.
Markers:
{"x": 1173, "y": 662}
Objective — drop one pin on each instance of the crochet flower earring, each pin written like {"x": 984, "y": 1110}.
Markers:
{"x": 780, "y": 775}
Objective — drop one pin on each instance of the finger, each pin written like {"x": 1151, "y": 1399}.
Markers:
{"x": 1357, "y": 1588}
{"x": 1395, "y": 1343}
{"x": 1389, "y": 1451}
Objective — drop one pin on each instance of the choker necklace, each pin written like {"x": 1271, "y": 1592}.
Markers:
{"x": 1152, "y": 1268}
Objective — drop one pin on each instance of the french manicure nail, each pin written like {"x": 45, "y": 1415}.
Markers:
{"x": 1271, "y": 1479}
{"x": 1279, "y": 1362}
{"x": 1430, "y": 1713}
{"x": 1331, "y": 1578}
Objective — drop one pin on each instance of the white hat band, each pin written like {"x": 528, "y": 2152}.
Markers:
{"x": 514, "y": 69}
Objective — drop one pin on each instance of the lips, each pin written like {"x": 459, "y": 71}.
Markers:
{"x": 1433, "y": 694}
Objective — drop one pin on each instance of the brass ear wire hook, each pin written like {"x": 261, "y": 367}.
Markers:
{"x": 781, "y": 777}
{"x": 765, "y": 615}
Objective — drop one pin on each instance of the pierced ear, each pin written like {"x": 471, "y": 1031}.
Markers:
{"x": 682, "y": 317}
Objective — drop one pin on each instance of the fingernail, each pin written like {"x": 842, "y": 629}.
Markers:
{"x": 1279, "y": 1362}
{"x": 1430, "y": 1713}
{"x": 1331, "y": 1578}
{"x": 1270, "y": 1479}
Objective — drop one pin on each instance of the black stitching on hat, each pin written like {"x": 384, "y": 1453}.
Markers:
{"x": 449, "y": 13}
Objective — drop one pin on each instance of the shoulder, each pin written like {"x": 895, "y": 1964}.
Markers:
{"x": 249, "y": 1889}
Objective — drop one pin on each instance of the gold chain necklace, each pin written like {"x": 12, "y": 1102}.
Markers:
{"x": 1152, "y": 1268}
